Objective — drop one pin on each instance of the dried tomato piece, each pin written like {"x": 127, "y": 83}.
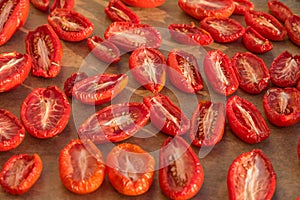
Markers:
{"x": 66, "y": 4}
{"x": 292, "y": 25}
{"x": 279, "y": 10}
{"x": 70, "y": 82}
{"x": 117, "y": 11}
{"x": 242, "y": 6}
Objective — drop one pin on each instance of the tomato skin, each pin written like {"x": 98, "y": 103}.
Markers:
{"x": 70, "y": 82}
{"x": 188, "y": 160}
{"x": 36, "y": 110}
{"x": 281, "y": 106}
{"x": 249, "y": 66}
{"x": 42, "y": 5}
{"x": 133, "y": 180}
{"x": 69, "y": 4}
{"x": 242, "y": 6}
{"x": 145, "y": 3}
{"x": 292, "y": 25}
{"x": 27, "y": 179}
{"x": 298, "y": 85}
{"x": 279, "y": 10}
{"x": 238, "y": 172}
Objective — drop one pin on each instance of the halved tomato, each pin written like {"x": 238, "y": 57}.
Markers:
{"x": 20, "y": 172}
{"x": 242, "y": 6}
{"x": 285, "y": 70}
{"x": 282, "y": 106}
{"x": 219, "y": 72}
{"x": 81, "y": 166}
{"x": 251, "y": 72}
{"x": 148, "y": 67}
{"x": 130, "y": 169}
{"x": 251, "y": 176}
{"x": 66, "y": 4}
{"x": 100, "y": 88}
{"x": 70, "y": 82}
{"x": 180, "y": 171}
{"x": 292, "y": 25}
{"x": 114, "y": 123}
{"x": 145, "y": 3}
{"x": 14, "y": 69}
{"x": 184, "y": 72}
{"x": 45, "y": 112}
{"x": 42, "y": 5}
{"x": 279, "y": 10}
{"x": 246, "y": 121}
{"x": 117, "y": 11}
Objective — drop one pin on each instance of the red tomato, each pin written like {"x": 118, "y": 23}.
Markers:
{"x": 292, "y": 25}
{"x": 281, "y": 106}
{"x": 117, "y": 11}
{"x": 100, "y": 88}
{"x": 14, "y": 15}
{"x": 180, "y": 171}
{"x": 190, "y": 34}
{"x": 70, "y": 25}
{"x": 129, "y": 36}
{"x": 223, "y": 30}
{"x": 246, "y": 121}
{"x": 183, "y": 71}
{"x": 148, "y": 67}
{"x": 46, "y": 51}
{"x": 20, "y": 173}
{"x": 207, "y": 124}
{"x": 219, "y": 72}
{"x": 42, "y": 5}
{"x": 12, "y": 131}
{"x": 299, "y": 154}
{"x": 66, "y": 4}
{"x": 242, "y": 6}
{"x": 70, "y": 82}
{"x": 251, "y": 175}
{"x": 279, "y": 10}
{"x": 81, "y": 167}
{"x": 298, "y": 85}
{"x": 255, "y": 42}
{"x": 166, "y": 116}
{"x": 285, "y": 70}
{"x": 265, "y": 24}
{"x": 114, "y": 123}
{"x": 104, "y": 50}
{"x": 207, "y": 8}
{"x": 130, "y": 169}
{"x": 144, "y": 3}
{"x": 14, "y": 69}
{"x": 251, "y": 72}
{"x": 45, "y": 112}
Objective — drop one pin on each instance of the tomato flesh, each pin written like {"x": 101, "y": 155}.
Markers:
{"x": 69, "y": 4}
{"x": 292, "y": 25}
{"x": 242, "y": 6}
{"x": 145, "y": 3}
{"x": 117, "y": 11}
{"x": 279, "y": 10}
{"x": 70, "y": 82}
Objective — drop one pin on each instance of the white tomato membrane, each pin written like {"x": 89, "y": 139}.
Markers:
{"x": 43, "y": 52}
{"x": 5, "y": 10}
{"x": 251, "y": 72}
{"x": 121, "y": 14}
{"x": 209, "y": 121}
{"x": 149, "y": 67}
{"x": 256, "y": 40}
{"x": 66, "y": 24}
{"x": 261, "y": 20}
{"x": 223, "y": 27}
{"x": 213, "y": 4}
{"x": 286, "y": 68}
{"x": 8, "y": 128}
{"x": 104, "y": 48}
{"x": 217, "y": 65}
{"x": 188, "y": 72}
{"x": 10, "y": 66}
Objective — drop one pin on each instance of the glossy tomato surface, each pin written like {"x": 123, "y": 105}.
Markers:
{"x": 65, "y": 4}
{"x": 282, "y": 106}
{"x": 14, "y": 69}
{"x": 130, "y": 169}
{"x": 246, "y": 121}
{"x": 251, "y": 72}
{"x": 114, "y": 123}
{"x": 279, "y": 10}
{"x": 45, "y": 112}
{"x": 117, "y": 11}
{"x": 81, "y": 166}
{"x": 207, "y": 124}
{"x": 42, "y": 5}
{"x": 20, "y": 172}
{"x": 145, "y": 3}
{"x": 148, "y": 67}
{"x": 45, "y": 48}
{"x": 71, "y": 80}
{"x": 180, "y": 171}
{"x": 251, "y": 176}
{"x": 292, "y": 25}
{"x": 242, "y": 6}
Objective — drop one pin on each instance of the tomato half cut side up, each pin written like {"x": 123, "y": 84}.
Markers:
{"x": 167, "y": 116}
{"x": 81, "y": 166}
{"x": 148, "y": 67}
{"x": 251, "y": 175}
{"x": 16, "y": 13}
{"x": 292, "y": 25}
{"x": 184, "y": 72}
{"x": 69, "y": 25}
{"x": 99, "y": 89}
{"x": 12, "y": 131}
{"x": 20, "y": 172}
{"x": 246, "y": 121}
{"x": 219, "y": 72}
{"x": 114, "y": 123}
{"x": 42, "y": 5}
{"x": 145, "y": 3}
{"x": 242, "y": 6}
{"x": 285, "y": 70}
{"x": 14, "y": 69}
{"x": 70, "y": 82}
{"x": 281, "y": 106}
{"x": 45, "y": 48}
{"x": 279, "y": 10}
{"x": 130, "y": 169}
{"x": 69, "y": 4}
{"x": 207, "y": 124}
{"x": 180, "y": 171}
{"x": 251, "y": 72}
{"x": 45, "y": 112}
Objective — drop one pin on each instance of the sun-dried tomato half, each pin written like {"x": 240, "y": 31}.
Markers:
{"x": 145, "y": 3}
{"x": 70, "y": 82}
{"x": 279, "y": 10}
{"x": 223, "y": 30}
{"x": 285, "y": 70}
{"x": 114, "y": 123}
{"x": 100, "y": 88}
{"x": 14, "y": 69}
{"x": 70, "y": 25}
{"x": 129, "y": 36}
{"x": 251, "y": 176}
{"x": 42, "y": 5}
{"x": 292, "y": 25}
{"x": 66, "y": 4}
{"x": 45, "y": 48}
{"x": 242, "y": 6}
